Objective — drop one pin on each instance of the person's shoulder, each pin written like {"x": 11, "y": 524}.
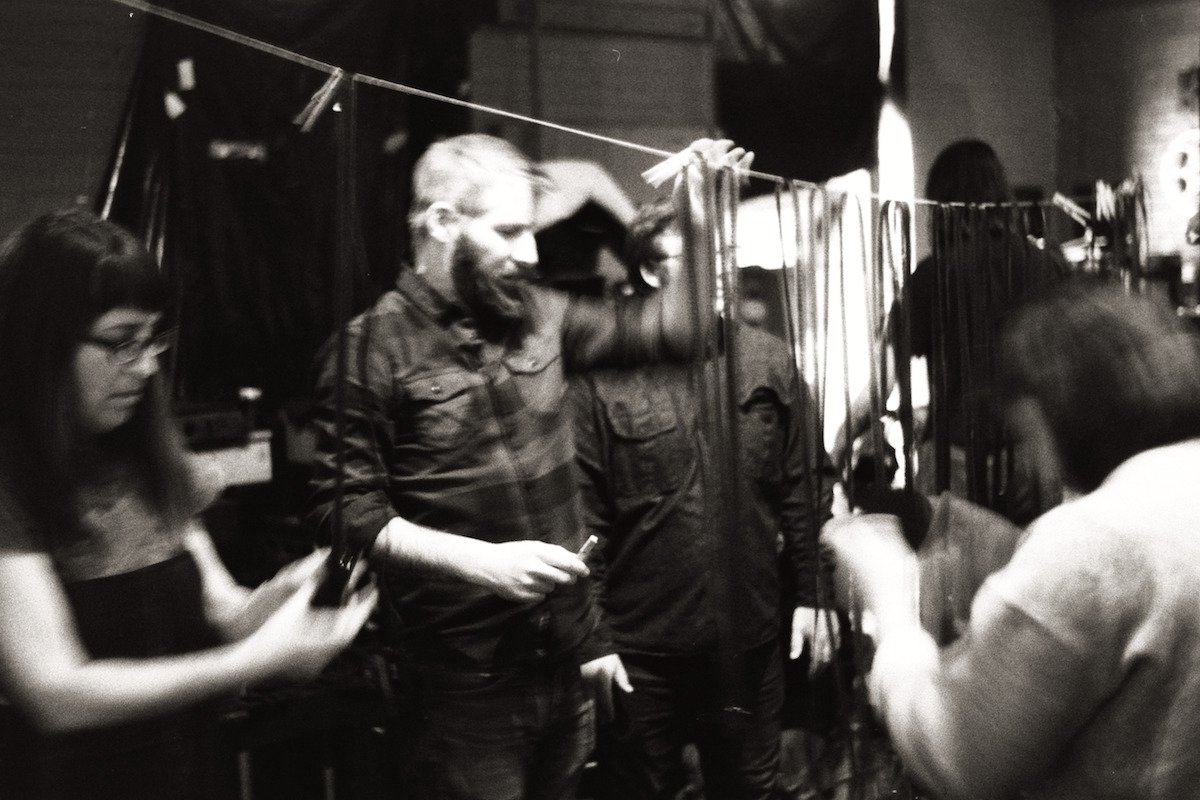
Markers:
{"x": 1065, "y": 528}
{"x": 764, "y": 362}
{"x": 925, "y": 267}
{"x": 553, "y": 304}
{"x": 1075, "y": 557}
{"x": 389, "y": 304}
{"x": 372, "y": 333}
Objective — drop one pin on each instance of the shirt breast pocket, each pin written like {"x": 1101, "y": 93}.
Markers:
{"x": 536, "y": 370}
{"x": 651, "y": 449}
{"x": 445, "y": 410}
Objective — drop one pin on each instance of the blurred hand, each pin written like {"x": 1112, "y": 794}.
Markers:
{"x": 720, "y": 153}
{"x": 818, "y": 629}
{"x": 269, "y": 596}
{"x": 599, "y": 675}
{"x": 717, "y": 153}
{"x": 526, "y": 571}
{"x": 874, "y": 564}
{"x": 298, "y": 640}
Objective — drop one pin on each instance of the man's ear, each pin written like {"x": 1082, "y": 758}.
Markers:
{"x": 441, "y": 222}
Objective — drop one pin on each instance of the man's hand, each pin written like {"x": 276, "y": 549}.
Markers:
{"x": 270, "y": 595}
{"x": 717, "y": 153}
{"x": 820, "y": 631}
{"x": 721, "y": 153}
{"x": 526, "y": 571}
{"x": 299, "y": 639}
{"x": 599, "y": 675}
{"x": 875, "y": 566}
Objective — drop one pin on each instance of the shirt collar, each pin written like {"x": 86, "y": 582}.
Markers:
{"x": 417, "y": 291}
{"x": 449, "y": 315}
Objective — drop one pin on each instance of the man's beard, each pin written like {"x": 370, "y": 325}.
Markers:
{"x": 496, "y": 303}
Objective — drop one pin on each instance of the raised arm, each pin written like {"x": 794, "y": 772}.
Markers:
{"x": 571, "y": 183}
{"x": 665, "y": 324}
{"x": 678, "y": 310}
{"x": 988, "y": 715}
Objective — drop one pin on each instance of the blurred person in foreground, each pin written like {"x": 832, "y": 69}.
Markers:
{"x": 120, "y": 628}
{"x": 1077, "y": 676}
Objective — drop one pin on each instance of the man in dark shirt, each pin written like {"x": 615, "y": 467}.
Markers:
{"x": 649, "y": 474}
{"x": 456, "y": 453}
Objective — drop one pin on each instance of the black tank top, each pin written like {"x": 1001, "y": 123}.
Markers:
{"x": 152, "y": 611}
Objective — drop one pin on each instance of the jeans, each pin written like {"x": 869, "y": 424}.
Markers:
{"x": 524, "y": 736}
{"x": 676, "y": 700}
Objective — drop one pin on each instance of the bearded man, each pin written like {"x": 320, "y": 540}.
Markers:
{"x": 456, "y": 451}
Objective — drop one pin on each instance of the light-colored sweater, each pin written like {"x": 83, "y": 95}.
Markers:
{"x": 1079, "y": 673}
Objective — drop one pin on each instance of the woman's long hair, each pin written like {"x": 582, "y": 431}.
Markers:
{"x": 968, "y": 171}
{"x": 58, "y": 274}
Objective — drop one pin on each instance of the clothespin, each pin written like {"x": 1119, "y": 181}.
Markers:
{"x": 1072, "y": 209}
{"x": 1106, "y": 201}
{"x": 664, "y": 170}
{"x": 714, "y": 149}
{"x": 319, "y": 101}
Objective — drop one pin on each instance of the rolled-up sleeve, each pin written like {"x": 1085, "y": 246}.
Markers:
{"x": 619, "y": 333}
{"x": 367, "y": 431}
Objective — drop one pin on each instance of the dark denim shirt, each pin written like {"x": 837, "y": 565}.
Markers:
{"x": 641, "y": 448}
{"x": 472, "y": 436}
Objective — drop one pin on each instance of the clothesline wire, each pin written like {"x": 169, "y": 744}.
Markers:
{"x": 331, "y": 69}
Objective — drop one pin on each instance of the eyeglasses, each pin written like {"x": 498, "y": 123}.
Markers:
{"x": 131, "y": 350}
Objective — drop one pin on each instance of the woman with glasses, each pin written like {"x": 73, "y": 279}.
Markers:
{"x": 120, "y": 630}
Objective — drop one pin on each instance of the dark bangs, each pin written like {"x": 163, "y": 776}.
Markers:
{"x": 127, "y": 276}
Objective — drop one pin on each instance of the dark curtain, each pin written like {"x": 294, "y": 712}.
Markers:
{"x": 799, "y": 79}
{"x": 240, "y": 202}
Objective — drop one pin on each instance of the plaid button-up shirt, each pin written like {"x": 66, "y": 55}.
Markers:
{"x": 472, "y": 436}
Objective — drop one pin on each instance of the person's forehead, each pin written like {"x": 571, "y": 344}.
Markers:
{"x": 509, "y": 197}
{"x": 125, "y": 318}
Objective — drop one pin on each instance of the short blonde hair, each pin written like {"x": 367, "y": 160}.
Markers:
{"x": 457, "y": 171}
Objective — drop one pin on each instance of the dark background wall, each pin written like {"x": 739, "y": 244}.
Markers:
{"x": 65, "y": 68}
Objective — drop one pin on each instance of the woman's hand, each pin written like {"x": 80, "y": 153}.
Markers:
{"x": 265, "y": 600}
{"x": 299, "y": 639}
